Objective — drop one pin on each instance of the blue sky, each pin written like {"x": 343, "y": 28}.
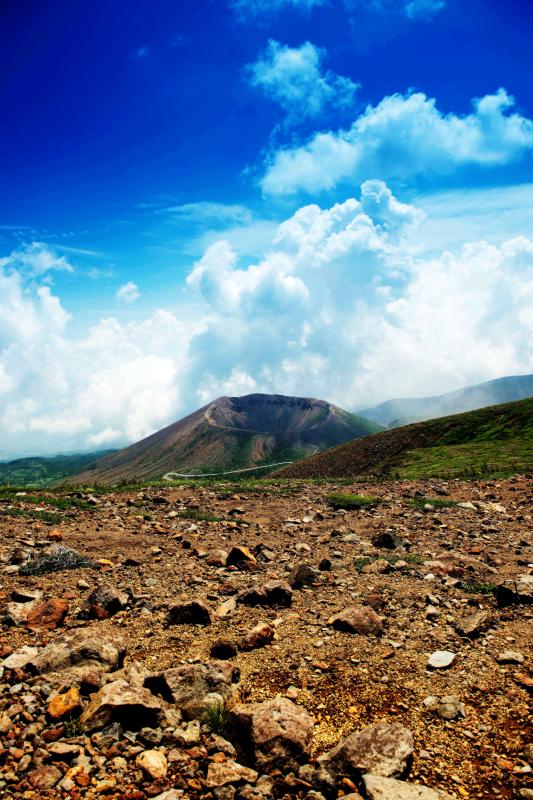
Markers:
{"x": 152, "y": 150}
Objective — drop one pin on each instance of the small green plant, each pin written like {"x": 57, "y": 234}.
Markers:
{"x": 361, "y": 562}
{"x": 73, "y": 727}
{"x": 436, "y": 502}
{"x": 56, "y": 559}
{"x": 478, "y": 587}
{"x": 216, "y": 718}
{"x": 409, "y": 558}
{"x": 352, "y": 501}
{"x": 198, "y": 516}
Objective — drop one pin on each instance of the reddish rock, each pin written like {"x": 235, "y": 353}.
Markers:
{"x": 48, "y": 614}
{"x": 259, "y": 636}
{"x": 44, "y": 777}
{"x": 357, "y": 619}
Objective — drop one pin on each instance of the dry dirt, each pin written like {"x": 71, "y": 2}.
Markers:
{"x": 344, "y": 680}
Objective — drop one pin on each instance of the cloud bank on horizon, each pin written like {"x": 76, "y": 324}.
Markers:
{"x": 329, "y": 232}
{"x": 339, "y": 300}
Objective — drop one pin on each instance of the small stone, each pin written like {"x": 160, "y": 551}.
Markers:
{"x": 357, "y": 619}
{"x": 192, "y": 613}
{"x": 44, "y": 777}
{"x": 472, "y": 625}
{"x": 238, "y": 556}
{"x": 228, "y": 772}
{"x": 510, "y": 657}
{"x": 441, "y": 659}
{"x": 386, "y": 540}
{"x": 380, "y": 788}
{"x": 301, "y": 575}
{"x": 259, "y": 636}
{"x": 66, "y": 704}
{"x": 153, "y": 763}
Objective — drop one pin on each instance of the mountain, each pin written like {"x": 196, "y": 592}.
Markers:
{"x": 42, "y": 471}
{"x": 494, "y": 439}
{"x": 404, "y": 410}
{"x": 233, "y": 433}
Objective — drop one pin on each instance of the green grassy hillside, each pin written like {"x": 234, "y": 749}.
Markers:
{"x": 41, "y": 471}
{"x": 493, "y": 440}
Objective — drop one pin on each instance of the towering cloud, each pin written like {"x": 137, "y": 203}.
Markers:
{"x": 338, "y": 306}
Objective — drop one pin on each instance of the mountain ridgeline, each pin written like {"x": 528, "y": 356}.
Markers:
{"x": 405, "y": 410}
{"x": 497, "y": 439}
{"x": 233, "y": 433}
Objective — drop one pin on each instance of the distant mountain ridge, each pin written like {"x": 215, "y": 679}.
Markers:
{"x": 233, "y": 433}
{"x": 497, "y": 439}
{"x": 405, "y": 410}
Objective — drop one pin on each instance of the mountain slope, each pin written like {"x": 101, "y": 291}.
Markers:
{"x": 42, "y": 471}
{"x": 402, "y": 411}
{"x": 498, "y": 438}
{"x": 233, "y": 433}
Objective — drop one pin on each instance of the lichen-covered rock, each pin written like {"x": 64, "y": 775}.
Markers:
{"x": 81, "y": 647}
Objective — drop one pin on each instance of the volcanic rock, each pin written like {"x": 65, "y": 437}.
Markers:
{"x": 357, "y": 619}
{"x": 379, "y": 788}
{"x": 382, "y": 748}
{"x": 191, "y": 613}
{"x": 279, "y": 732}
{"x": 134, "y": 708}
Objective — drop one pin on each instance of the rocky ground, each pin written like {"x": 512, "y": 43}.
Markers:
{"x": 283, "y": 649}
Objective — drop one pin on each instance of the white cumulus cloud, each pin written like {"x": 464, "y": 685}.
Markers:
{"x": 128, "y": 292}
{"x": 340, "y": 305}
{"x": 295, "y": 78}
{"x": 404, "y": 136}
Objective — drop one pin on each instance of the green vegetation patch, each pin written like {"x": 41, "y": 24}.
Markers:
{"x": 476, "y": 587}
{"x": 436, "y": 502}
{"x": 352, "y": 501}
{"x": 472, "y": 460}
{"x": 409, "y": 558}
{"x": 199, "y": 516}
{"x": 57, "y": 559}
{"x": 50, "y": 517}
{"x": 216, "y": 718}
